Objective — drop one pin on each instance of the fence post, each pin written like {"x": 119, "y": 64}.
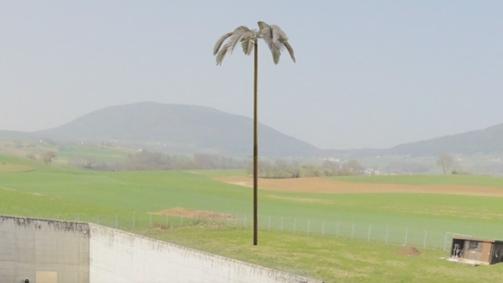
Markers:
{"x": 425, "y": 239}
{"x": 369, "y": 233}
{"x": 444, "y": 246}
{"x": 134, "y": 220}
{"x": 386, "y": 240}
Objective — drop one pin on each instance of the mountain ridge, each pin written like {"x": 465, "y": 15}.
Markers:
{"x": 178, "y": 128}
{"x": 487, "y": 140}
{"x": 183, "y": 128}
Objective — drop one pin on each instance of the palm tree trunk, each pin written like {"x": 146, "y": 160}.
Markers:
{"x": 255, "y": 146}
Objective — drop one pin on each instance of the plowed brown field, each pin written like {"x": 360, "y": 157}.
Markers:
{"x": 326, "y": 185}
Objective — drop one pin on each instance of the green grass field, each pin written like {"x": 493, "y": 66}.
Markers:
{"x": 335, "y": 237}
{"x": 92, "y": 152}
{"x": 66, "y": 154}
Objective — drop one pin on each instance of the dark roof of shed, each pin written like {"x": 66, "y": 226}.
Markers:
{"x": 476, "y": 239}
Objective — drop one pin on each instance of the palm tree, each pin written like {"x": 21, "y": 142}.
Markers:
{"x": 276, "y": 39}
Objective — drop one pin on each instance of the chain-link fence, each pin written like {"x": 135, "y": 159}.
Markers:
{"x": 386, "y": 234}
{"x": 370, "y": 232}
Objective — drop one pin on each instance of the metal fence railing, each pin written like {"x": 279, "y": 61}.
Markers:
{"x": 370, "y": 232}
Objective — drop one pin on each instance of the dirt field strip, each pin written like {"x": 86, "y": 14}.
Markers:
{"x": 193, "y": 214}
{"x": 7, "y": 189}
{"x": 14, "y": 168}
{"x": 325, "y": 185}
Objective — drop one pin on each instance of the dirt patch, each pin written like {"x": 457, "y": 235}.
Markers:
{"x": 303, "y": 200}
{"x": 327, "y": 185}
{"x": 409, "y": 251}
{"x": 7, "y": 189}
{"x": 193, "y": 214}
{"x": 14, "y": 168}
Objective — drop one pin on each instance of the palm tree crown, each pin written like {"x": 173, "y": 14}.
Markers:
{"x": 275, "y": 38}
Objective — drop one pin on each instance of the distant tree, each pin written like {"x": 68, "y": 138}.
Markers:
{"x": 296, "y": 169}
{"x": 309, "y": 170}
{"x": 205, "y": 161}
{"x": 407, "y": 167}
{"x": 31, "y": 156}
{"x": 352, "y": 167}
{"x": 146, "y": 160}
{"x": 48, "y": 157}
{"x": 329, "y": 168}
{"x": 446, "y": 162}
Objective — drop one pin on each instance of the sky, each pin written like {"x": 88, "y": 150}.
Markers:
{"x": 368, "y": 73}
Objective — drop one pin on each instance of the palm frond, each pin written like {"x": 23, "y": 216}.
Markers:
{"x": 221, "y": 54}
{"x": 276, "y": 33}
{"x": 290, "y": 50}
{"x": 220, "y": 41}
{"x": 267, "y": 33}
{"x": 276, "y": 53}
{"x": 238, "y": 34}
{"x": 275, "y": 38}
{"x": 279, "y": 32}
{"x": 248, "y": 45}
{"x": 262, "y": 25}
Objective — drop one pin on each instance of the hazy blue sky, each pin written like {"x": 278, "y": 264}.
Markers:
{"x": 369, "y": 73}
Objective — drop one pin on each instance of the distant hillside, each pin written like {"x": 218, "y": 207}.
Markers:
{"x": 186, "y": 129}
{"x": 488, "y": 140}
{"x": 178, "y": 129}
{"x": 15, "y": 135}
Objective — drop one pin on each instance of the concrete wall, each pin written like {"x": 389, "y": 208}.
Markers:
{"x": 46, "y": 251}
{"x": 117, "y": 256}
{"x": 43, "y": 251}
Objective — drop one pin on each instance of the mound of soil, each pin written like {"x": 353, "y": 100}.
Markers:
{"x": 409, "y": 251}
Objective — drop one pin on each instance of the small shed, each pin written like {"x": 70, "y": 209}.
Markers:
{"x": 476, "y": 251}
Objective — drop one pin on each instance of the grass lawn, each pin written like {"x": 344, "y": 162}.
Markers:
{"x": 330, "y": 259}
{"x": 92, "y": 152}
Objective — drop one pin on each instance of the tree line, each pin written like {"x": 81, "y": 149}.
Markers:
{"x": 147, "y": 160}
{"x": 298, "y": 169}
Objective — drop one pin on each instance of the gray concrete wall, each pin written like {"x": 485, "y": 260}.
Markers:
{"x": 121, "y": 257}
{"x": 44, "y": 250}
